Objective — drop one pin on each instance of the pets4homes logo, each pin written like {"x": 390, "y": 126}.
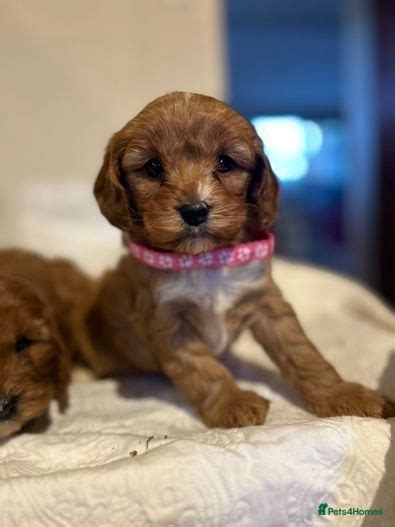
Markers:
{"x": 325, "y": 510}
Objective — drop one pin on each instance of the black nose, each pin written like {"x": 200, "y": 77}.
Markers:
{"x": 194, "y": 213}
{"x": 8, "y": 406}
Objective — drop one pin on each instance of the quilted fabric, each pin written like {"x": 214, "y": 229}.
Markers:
{"x": 130, "y": 452}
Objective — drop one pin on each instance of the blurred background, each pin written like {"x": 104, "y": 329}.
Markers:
{"x": 315, "y": 77}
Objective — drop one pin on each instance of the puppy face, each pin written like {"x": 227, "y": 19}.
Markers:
{"x": 33, "y": 367}
{"x": 186, "y": 175}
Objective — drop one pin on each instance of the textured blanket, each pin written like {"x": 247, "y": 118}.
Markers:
{"x": 130, "y": 452}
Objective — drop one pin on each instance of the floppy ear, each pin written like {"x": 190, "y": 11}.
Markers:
{"x": 111, "y": 193}
{"x": 263, "y": 190}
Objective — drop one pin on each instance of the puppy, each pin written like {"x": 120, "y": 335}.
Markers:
{"x": 37, "y": 347}
{"x": 189, "y": 185}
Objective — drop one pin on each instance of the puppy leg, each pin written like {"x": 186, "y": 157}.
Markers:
{"x": 188, "y": 361}
{"x": 210, "y": 389}
{"x": 207, "y": 385}
{"x": 277, "y": 329}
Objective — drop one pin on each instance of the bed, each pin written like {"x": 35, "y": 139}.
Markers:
{"x": 129, "y": 451}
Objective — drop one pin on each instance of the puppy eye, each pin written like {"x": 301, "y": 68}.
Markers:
{"x": 22, "y": 344}
{"x": 225, "y": 164}
{"x": 154, "y": 168}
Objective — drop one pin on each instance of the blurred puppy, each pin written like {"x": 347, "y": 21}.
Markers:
{"x": 188, "y": 176}
{"x": 37, "y": 347}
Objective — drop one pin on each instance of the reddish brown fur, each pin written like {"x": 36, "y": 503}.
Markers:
{"x": 37, "y": 297}
{"x": 139, "y": 318}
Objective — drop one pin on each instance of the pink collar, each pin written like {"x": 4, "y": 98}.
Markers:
{"x": 243, "y": 253}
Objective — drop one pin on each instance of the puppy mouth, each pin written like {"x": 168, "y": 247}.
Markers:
{"x": 196, "y": 240}
{"x": 173, "y": 235}
{"x": 198, "y": 232}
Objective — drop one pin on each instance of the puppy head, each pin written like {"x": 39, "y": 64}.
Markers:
{"x": 33, "y": 366}
{"x": 186, "y": 175}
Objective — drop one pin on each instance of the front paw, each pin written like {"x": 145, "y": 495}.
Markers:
{"x": 354, "y": 399}
{"x": 237, "y": 409}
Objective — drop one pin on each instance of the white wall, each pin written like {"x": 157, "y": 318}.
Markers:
{"x": 72, "y": 72}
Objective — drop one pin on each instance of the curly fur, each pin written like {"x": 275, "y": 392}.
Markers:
{"x": 141, "y": 319}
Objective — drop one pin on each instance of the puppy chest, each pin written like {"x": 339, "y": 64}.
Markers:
{"x": 213, "y": 292}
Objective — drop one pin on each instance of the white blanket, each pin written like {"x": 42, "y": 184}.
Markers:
{"x": 129, "y": 452}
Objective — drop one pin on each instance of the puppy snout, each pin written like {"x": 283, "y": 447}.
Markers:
{"x": 194, "y": 213}
{"x": 8, "y": 406}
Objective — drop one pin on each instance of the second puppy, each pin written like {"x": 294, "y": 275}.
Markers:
{"x": 37, "y": 346}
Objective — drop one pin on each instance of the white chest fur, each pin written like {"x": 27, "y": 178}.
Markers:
{"x": 214, "y": 291}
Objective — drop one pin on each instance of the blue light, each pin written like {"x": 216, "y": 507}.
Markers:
{"x": 290, "y": 143}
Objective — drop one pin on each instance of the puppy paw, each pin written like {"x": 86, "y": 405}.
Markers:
{"x": 354, "y": 399}
{"x": 241, "y": 408}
